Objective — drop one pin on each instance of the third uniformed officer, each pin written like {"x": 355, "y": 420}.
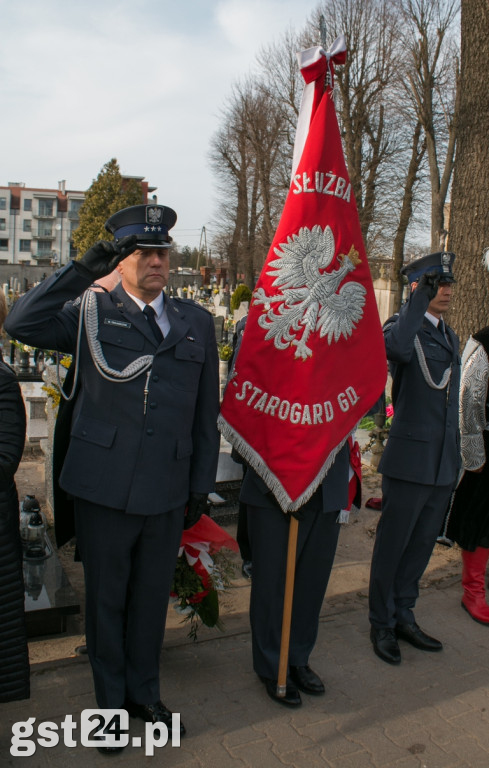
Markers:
{"x": 421, "y": 460}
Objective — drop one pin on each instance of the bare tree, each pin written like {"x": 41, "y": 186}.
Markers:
{"x": 394, "y": 48}
{"x": 469, "y": 213}
{"x": 418, "y": 147}
{"x": 264, "y": 121}
{"x": 230, "y": 162}
{"x": 432, "y": 84}
{"x": 363, "y": 84}
{"x": 245, "y": 156}
{"x": 281, "y": 80}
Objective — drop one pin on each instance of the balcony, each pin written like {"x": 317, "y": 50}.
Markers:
{"x": 43, "y": 235}
{"x": 44, "y": 257}
{"x": 43, "y": 215}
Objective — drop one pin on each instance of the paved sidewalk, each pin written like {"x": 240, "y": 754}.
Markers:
{"x": 430, "y": 712}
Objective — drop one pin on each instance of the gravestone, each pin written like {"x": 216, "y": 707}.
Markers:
{"x": 219, "y": 328}
{"x": 242, "y": 311}
{"x": 49, "y": 596}
{"x": 35, "y": 407}
{"x": 222, "y": 312}
{"x": 385, "y": 295}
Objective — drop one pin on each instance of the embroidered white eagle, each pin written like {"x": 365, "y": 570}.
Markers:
{"x": 311, "y": 299}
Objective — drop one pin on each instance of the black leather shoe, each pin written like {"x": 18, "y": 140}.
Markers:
{"x": 292, "y": 696}
{"x": 306, "y": 680}
{"x": 411, "y": 633}
{"x": 385, "y": 645}
{"x": 153, "y": 713}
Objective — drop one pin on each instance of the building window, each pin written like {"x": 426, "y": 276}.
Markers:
{"x": 25, "y": 245}
{"x": 45, "y": 229}
{"x": 75, "y": 206}
{"x": 27, "y": 204}
{"x": 27, "y": 225}
{"x": 3, "y": 225}
{"x": 3, "y": 203}
{"x": 44, "y": 246}
{"x": 3, "y": 245}
{"x": 45, "y": 207}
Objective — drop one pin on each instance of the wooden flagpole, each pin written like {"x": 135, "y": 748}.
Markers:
{"x": 287, "y": 614}
{"x": 291, "y": 551}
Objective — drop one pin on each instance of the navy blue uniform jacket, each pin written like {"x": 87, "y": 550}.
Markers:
{"x": 118, "y": 455}
{"x": 424, "y": 444}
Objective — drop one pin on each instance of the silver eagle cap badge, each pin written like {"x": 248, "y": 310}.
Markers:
{"x": 154, "y": 215}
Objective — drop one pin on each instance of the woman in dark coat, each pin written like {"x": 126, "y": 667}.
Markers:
{"x": 14, "y": 657}
{"x": 468, "y": 523}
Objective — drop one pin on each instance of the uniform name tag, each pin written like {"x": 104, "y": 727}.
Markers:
{"x": 118, "y": 323}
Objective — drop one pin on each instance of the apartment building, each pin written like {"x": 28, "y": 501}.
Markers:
{"x": 37, "y": 225}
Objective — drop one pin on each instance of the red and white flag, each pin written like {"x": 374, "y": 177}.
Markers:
{"x": 312, "y": 358}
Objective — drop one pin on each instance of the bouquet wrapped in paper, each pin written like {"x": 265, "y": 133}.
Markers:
{"x": 202, "y": 571}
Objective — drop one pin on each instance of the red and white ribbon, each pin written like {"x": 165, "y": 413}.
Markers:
{"x": 198, "y": 551}
{"x": 314, "y": 63}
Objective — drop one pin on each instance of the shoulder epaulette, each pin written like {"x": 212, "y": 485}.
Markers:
{"x": 190, "y": 302}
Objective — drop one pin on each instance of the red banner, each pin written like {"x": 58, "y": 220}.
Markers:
{"x": 312, "y": 358}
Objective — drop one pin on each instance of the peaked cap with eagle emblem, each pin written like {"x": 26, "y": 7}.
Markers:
{"x": 151, "y": 224}
{"x": 440, "y": 263}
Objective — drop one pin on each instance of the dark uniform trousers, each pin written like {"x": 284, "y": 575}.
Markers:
{"x": 268, "y": 529}
{"x": 411, "y": 519}
{"x": 316, "y": 547}
{"x": 127, "y": 576}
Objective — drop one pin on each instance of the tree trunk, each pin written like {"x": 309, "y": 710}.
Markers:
{"x": 469, "y": 215}
{"x": 417, "y": 153}
{"x": 249, "y": 261}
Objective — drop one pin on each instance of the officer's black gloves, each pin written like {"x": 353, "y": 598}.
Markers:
{"x": 429, "y": 283}
{"x": 196, "y": 506}
{"x": 103, "y": 257}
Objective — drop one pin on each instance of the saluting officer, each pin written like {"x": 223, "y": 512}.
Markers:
{"x": 421, "y": 460}
{"x": 144, "y": 444}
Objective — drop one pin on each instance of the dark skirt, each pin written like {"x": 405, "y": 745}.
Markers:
{"x": 468, "y": 524}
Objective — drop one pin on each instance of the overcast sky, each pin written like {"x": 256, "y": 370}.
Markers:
{"x": 139, "y": 80}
